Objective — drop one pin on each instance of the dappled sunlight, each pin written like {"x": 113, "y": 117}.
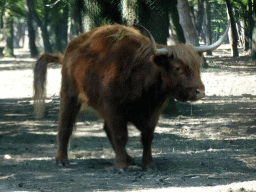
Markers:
{"x": 19, "y": 85}
{"x": 238, "y": 186}
{"x": 209, "y": 145}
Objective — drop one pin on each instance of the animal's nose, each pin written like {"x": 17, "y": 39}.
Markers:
{"x": 200, "y": 93}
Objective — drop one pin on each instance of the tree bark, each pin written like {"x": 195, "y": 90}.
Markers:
{"x": 154, "y": 16}
{"x": 100, "y": 12}
{"x": 42, "y": 23}
{"x": 253, "y": 53}
{"x": 2, "y": 13}
{"x": 130, "y": 12}
{"x": 200, "y": 16}
{"x": 208, "y": 26}
{"x": 9, "y": 35}
{"x": 186, "y": 23}
{"x": 250, "y": 25}
{"x": 234, "y": 37}
{"x": 31, "y": 33}
{"x": 60, "y": 24}
{"x": 79, "y": 6}
{"x": 175, "y": 22}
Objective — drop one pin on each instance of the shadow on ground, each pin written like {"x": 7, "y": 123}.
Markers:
{"x": 210, "y": 143}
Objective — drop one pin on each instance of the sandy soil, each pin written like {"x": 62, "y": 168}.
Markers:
{"x": 209, "y": 146}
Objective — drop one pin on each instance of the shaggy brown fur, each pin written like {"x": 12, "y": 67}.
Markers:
{"x": 115, "y": 70}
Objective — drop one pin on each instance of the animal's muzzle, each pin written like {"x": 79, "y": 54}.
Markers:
{"x": 195, "y": 94}
{"x": 200, "y": 94}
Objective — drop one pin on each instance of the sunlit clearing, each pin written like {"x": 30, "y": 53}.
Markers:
{"x": 240, "y": 186}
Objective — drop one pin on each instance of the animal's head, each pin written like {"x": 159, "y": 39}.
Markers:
{"x": 181, "y": 72}
{"x": 180, "y": 66}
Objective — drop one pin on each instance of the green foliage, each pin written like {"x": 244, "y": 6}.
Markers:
{"x": 16, "y": 8}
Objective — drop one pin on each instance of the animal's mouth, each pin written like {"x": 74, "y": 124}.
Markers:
{"x": 199, "y": 95}
{"x": 190, "y": 94}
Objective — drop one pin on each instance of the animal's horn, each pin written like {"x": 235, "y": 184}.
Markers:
{"x": 216, "y": 44}
{"x": 150, "y": 36}
{"x": 161, "y": 51}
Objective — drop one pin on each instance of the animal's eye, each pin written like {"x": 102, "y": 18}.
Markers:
{"x": 177, "y": 69}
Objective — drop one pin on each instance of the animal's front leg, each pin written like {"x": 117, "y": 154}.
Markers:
{"x": 129, "y": 159}
{"x": 146, "y": 139}
{"x": 116, "y": 129}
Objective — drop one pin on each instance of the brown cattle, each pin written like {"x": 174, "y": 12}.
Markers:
{"x": 120, "y": 73}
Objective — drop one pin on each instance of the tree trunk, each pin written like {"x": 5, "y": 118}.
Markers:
{"x": 60, "y": 24}
{"x": 186, "y": 23}
{"x": 31, "y": 33}
{"x": 76, "y": 18}
{"x": 9, "y": 35}
{"x": 2, "y": 13}
{"x": 175, "y": 22}
{"x": 100, "y": 12}
{"x": 42, "y": 23}
{"x": 64, "y": 34}
{"x": 130, "y": 12}
{"x": 200, "y": 16}
{"x": 254, "y": 32}
{"x": 154, "y": 16}
{"x": 242, "y": 34}
{"x": 79, "y": 6}
{"x": 208, "y": 26}
{"x": 250, "y": 25}
{"x": 234, "y": 37}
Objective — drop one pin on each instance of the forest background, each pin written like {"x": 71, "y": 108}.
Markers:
{"x": 50, "y": 24}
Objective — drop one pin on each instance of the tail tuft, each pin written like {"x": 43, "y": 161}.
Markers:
{"x": 40, "y": 72}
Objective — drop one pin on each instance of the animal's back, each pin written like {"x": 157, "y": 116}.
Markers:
{"x": 108, "y": 63}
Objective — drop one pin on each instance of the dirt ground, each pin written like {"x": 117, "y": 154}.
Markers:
{"x": 209, "y": 146}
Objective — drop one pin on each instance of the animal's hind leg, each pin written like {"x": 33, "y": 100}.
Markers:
{"x": 129, "y": 159}
{"x": 69, "y": 109}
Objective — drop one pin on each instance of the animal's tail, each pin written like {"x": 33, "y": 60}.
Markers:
{"x": 40, "y": 72}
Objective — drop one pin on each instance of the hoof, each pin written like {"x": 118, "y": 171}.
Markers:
{"x": 62, "y": 162}
{"x": 150, "y": 169}
{"x": 130, "y": 161}
{"x": 120, "y": 170}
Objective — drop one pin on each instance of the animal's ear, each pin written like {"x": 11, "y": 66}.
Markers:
{"x": 161, "y": 60}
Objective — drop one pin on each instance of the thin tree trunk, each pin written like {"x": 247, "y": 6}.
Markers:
{"x": 242, "y": 34}
{"x": 2, "y": 14}
{"x": 208, "y": 26}
{"x": 250, "y": 24}
{"x": 234, "y": 37}
{"x": 41, "y": 23}
{"x": 130, "y": 12}
{"x": 200, "y": 16}
{"x": 78, "y": 14}
{"x": 45, "y": 33}
{"x": 155, "y": 13}
{"x": 58, "y": 37}
{"x": 253, "y": 54}
{"x": 31, "y": 34}
{"x": 175, "y": 22}
{"x": 9, "y": 36}
{"x": 65, "y": 28}
{"x": 186, "y": 23}
{"x": 100, "y": 12}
